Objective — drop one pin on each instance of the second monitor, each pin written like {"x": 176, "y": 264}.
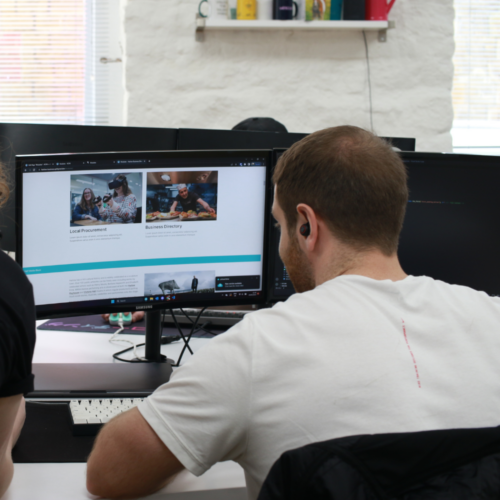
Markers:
{"x": 449, "y": 232}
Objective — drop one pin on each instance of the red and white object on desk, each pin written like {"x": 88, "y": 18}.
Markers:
{"x": 378, "y": 10}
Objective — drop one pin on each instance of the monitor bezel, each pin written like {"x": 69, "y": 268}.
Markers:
{"x": 271, "y": 297}
{"x": 114, "y": 308}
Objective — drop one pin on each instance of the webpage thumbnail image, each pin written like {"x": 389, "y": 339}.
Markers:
{"x": 98, "y": 199}
{"x": 185, "y": 196}
{"x": 174, "y": 283}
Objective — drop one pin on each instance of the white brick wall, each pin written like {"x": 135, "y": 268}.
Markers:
{"x": 306, "y": 80}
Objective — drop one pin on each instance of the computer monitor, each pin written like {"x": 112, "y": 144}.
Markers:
{"x": 192, "y": 138}
{"x": 24, "y": 138}
{"x": 450, "y": 229}
{"x": 402, "y": 143}
{"x": 121, "y": 253}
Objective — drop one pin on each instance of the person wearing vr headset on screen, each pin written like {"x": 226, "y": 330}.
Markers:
{"x": 87, "y": 208}
{"x": 121, "y": 207}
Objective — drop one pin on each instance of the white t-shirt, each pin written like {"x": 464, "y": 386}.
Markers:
{"x": 353, "y": 356}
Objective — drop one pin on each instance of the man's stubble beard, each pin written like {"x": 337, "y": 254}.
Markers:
{"x": 298, "y": 267}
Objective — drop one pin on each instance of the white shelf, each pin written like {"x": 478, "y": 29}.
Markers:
{"x": 211, "y": 25}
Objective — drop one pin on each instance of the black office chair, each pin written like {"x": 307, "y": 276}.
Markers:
{"x": 457, "y": 464}
{"x": 261, "y": 124}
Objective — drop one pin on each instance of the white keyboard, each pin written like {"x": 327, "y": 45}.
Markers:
{"x": 88, "y": 415}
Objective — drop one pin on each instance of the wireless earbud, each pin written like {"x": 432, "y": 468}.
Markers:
{"x": 305, "y": 230}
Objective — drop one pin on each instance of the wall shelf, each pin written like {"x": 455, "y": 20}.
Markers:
{"x": 302, "y": 25}
{"x": 203, "y": 24}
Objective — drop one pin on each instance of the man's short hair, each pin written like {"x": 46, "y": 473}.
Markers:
{"x": 352, "y": 179}
{"x": 181, "y": 186}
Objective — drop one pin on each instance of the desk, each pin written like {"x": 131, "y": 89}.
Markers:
{"x": 224, "y": 481}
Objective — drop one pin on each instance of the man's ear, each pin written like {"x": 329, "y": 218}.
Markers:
{"x": 307, "y": 227}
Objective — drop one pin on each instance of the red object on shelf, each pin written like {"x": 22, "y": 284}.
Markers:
{"x": 378, "y": 10}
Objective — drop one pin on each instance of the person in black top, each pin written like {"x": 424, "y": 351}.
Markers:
{"x": 188, "y": 200}
{"x": 194, "y": 284}
{"x": 17, "y": 342}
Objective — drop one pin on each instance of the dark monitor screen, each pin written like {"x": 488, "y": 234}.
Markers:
{"x": 450, "y": 230}
{"x": 104, "y": 232}
{"x": 402, "y": 143}
{"x": 23, "y": 139}
{"x": 190, "y": 139}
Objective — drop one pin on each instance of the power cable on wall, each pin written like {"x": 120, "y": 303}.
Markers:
{"x": 369, "y": 81}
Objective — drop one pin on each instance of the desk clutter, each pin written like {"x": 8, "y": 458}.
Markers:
{"x": 219, "y": 320}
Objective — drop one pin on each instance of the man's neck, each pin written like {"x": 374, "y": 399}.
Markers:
{"x": 371, "y": 264}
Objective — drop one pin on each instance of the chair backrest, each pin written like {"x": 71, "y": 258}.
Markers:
{"x": 458, "y": 464}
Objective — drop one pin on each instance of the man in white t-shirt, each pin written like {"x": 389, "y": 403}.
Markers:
{"x": 362, "y": 348}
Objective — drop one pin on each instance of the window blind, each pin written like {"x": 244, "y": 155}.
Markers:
{"x": 476, "y": 85}
{"x": 50, "y": 62}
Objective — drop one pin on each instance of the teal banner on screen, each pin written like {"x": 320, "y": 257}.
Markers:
{"x": 92, "y": 266}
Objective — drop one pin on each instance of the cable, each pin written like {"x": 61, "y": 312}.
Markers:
{"x": 134, "y": 346}
{"x": 186, "y": 341}
{"x": 202, "y": 327}
{"x": 369, "y": 81}
{"x": 164, "y": 340}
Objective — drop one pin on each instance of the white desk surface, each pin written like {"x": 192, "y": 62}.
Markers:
{"x": 224, "y": 481}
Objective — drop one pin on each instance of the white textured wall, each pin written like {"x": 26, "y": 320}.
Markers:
{"x": 306, "y": 80}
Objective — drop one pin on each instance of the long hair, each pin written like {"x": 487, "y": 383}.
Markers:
{"x": 83, "y": 203}
{"x": 4, "y": 187}
{"x": 125, "y": 188}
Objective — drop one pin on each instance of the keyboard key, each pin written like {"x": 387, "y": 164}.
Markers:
{"x": 80, "y": 420}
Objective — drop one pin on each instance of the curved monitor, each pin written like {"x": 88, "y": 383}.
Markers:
{"x": 104, "y": 232}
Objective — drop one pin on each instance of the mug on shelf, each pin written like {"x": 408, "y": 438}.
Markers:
{"x": 246, "y": 10}
{"x": 301, "y": 16}
{"x": 284, "y": 10}
{"x": 213, "y": 9}
{"x": 378, "y": 10}
{"x": 265, "y": 10}
{"x": 232, "y": 8}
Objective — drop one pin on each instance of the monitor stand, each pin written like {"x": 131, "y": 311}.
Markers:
{"x": 153, "y": 338}
{"x": 106, "y": 380}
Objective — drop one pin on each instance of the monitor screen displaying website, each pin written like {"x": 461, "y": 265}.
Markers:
{"x": 450, "y": 228}
{"x": 114, "y": 231}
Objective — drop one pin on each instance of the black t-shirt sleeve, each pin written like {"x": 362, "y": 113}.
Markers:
{"x": 17, "y": 329}
{"x": 190, "y": 202}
